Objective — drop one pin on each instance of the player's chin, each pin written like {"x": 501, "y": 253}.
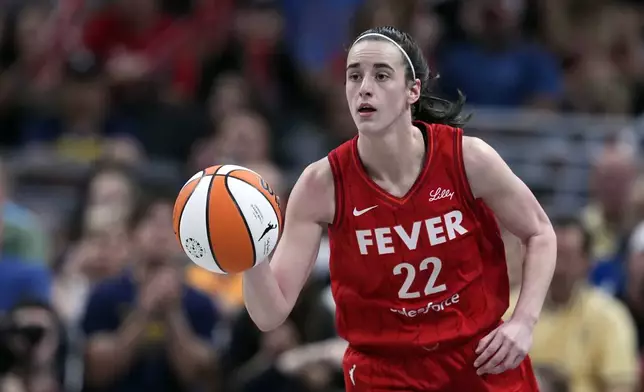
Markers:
{"x": 368, "y": 127}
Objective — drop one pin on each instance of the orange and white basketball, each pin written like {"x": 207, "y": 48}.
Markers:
{"x": 227, "y": 219}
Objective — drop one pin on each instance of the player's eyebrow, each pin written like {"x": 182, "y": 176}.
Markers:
{"x": 375, "y": 66}
{"x": 383, "y": 65}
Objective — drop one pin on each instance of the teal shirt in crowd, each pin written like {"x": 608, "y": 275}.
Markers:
{"x": 23, "y": 236}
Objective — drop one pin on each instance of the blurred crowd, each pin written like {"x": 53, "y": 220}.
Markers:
{"x": 107, "y": 106}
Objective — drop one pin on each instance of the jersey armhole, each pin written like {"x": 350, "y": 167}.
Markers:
{"x": 337, "y": 185}
{"x": 464, "y": 183}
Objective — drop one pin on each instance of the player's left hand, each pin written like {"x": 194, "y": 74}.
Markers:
{"x": 504, "y": 348}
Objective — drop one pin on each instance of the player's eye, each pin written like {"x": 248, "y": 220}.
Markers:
{"x": 354, "y": 77}
{"x": 382, "y": 76}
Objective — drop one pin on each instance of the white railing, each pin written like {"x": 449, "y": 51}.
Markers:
{"x": 550, "y": 151}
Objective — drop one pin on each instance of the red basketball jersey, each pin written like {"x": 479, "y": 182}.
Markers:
{"x": 419, "y": 270}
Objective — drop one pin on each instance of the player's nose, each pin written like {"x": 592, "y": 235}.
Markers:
{"x": 366, "y": 87}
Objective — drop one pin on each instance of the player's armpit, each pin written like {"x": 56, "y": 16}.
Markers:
{"x": 271, "y": 290}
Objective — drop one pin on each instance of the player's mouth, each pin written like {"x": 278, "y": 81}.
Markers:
{"x": 366, "y": 110}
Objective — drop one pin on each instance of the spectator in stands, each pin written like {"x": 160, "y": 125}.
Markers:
{"x": 601, "y": 46}
{"x": 497, "y": 66}
{"x": 43, "y": 369}
{"x": 612, "y": 178}
{"x": 229, "y": 93}
{"x": 373, "y": 13}
{"x": 20, "y": 279}
{"x": 317, "y": 49}
{"x": 23, "y": 236}
{"x": 427, "y": 29}
{"x": 145, "y": 329}
{"x": 139, "y": 45}
{"x": 595, "y": 85}
{"x": 241, "y": 137}
{"x": 109, "y": 193}
{"x": 315, "y": 364}
{"x": 251, "y": 361}
{"x": 27, "y": 80}
{"x": 98, "y": 240}
{"x": 550, "y": 380}
{"x": 588, "y": 336}
{"x": 102, "y": 253}
{"x": 257, "y": 48}
{"x": 635, "y": 213}
{"x": 228, "y": 97}
{"x": 633, "y": 291}
{"x": 610, "y": 274}
{"x": 83, "y": 124}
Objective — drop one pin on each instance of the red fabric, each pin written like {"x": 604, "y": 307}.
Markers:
{"x": 163, "y": 43}
{"x": 213, "y": 18}
{"x": 62, "y": 29}
{"x": 447, "y": 370}
{"x": 258, "y": 63}
{"x": 415, "y": 271}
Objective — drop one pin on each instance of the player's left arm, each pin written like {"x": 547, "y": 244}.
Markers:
{"x": 518, "y": 210}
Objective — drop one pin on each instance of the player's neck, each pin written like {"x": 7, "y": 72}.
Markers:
{"x": 393, "y": 154}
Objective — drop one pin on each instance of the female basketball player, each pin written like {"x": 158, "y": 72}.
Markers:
{"x": 417, "y": 262}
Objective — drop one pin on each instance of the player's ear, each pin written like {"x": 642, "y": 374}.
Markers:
{"x": 413, "y": 94}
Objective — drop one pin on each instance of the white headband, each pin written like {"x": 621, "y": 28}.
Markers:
{"x": 411, "y": 65}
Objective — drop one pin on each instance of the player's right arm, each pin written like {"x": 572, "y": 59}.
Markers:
{"x": 271, "y": 290}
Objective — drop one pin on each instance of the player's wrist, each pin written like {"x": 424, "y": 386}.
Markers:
{"x": 525, "y": 318}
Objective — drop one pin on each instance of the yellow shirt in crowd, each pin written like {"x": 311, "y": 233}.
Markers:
{"x": 227, "y": 289}
{"x": 604, "y": 239}
{"x": 592, "y": 341}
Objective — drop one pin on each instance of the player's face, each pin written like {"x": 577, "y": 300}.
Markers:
{"x": 377, "y": 91}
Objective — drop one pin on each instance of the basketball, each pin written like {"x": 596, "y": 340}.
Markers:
{"x": 227, "y": 219}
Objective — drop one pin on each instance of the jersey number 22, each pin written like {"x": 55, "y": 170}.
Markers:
{"x": 430, "y": 287}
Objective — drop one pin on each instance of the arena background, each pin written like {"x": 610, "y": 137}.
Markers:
{"x": 107, "y": 104}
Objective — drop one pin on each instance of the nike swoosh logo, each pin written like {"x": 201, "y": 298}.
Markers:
{"x": 358, "y": 213}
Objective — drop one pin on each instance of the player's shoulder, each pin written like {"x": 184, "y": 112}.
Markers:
{"x": 313, "y": 194}
{"x": 476, "y": 149}
{"x": 484, "y": 167}
{"x": 318, "y": 175}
